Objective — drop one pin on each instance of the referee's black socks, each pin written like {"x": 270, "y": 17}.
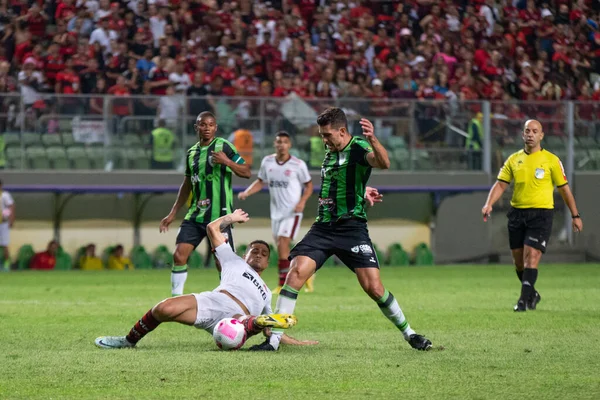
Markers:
{"x": 528, "y": 282}
{"x": 519, "y": 274}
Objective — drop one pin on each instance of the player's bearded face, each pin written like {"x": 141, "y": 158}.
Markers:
{"x": 257, "y": 257}
{"x": 206, "y": 128}
{"x": 333, "y": 138}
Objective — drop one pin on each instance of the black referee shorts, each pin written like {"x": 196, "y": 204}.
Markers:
{"x": 348, "y": 240}
{"x": 192, "y": 232}
{"x": 529, "y": 226}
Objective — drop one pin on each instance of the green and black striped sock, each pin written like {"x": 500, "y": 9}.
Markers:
{"x": 390, "y": 308}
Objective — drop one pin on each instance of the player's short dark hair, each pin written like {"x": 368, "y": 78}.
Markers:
{"x": 333, "y": 116}
{"x": 206, "y": 114}
{"x": 283, "y": 134}
{"x": 258, "y": 241}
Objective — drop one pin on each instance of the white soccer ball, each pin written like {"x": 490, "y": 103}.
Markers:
{"x": 229, "y": 334}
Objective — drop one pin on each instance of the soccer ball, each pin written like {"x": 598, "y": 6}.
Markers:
{"x": 229, "y": 334}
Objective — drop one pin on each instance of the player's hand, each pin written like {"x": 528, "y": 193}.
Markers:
{"x": 577, "y": 225}
{"x": 486, "y": 211}
{"x": 373, "y": 196}
{"x": 242, "y": 195}
{"x": 300, "y": 207}
{"x": 219, "y": 157}
{"x": 367, "y": 128}
{"x": 166, "y": 221}
{"x": 239, "y": 216}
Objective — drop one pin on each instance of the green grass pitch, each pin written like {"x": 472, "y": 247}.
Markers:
{"x": 482, "y": 349}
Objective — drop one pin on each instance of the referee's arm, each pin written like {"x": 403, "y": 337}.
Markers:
{"x": 569, "y": 199}
{"x": 495, "y": 193}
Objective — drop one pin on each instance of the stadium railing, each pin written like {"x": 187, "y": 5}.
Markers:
{"x": 113, "y": 133}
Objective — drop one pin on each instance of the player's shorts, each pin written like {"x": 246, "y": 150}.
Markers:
{"x": 286, "y": 227}
{"x": 4, "y": 234}
{"x": 213, "y": 307}
{"x": 348, "y": 240}
{"x": 193, "y": 233}
{"x": 529, "y": 226}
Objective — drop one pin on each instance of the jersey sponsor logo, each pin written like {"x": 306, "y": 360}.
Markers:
{"x": 203, "y": 205}
{"x": 362, "y": 248}
{"x": 539, "y": 173}
{"x": 256, "y": 283}
{"x": 326, "y": 202}
{"x": 329, "y": 173}
{"x": 279, "y": 184}
{"x": 202, "y": 177}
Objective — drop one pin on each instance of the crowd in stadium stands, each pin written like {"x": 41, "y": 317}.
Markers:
{"x": 425, "y": 49}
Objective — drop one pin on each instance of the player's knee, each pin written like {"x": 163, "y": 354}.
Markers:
{"x": 179, "y": 257}
{"x": 375, "y": 289}
{"x": 165, "y": 310}
{"x": 296, "y": 277}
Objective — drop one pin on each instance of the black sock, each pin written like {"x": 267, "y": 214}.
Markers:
{"x": 519, "y": 274}
{"x": 529, "y": 278}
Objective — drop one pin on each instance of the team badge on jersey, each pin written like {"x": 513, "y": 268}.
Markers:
{"x": 539, "y": 173}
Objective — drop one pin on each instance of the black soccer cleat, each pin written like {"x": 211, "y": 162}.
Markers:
{"x": 419, "y": 342}
{"x": 264, "y": 346}
{"x": 520, "y": 306}
{"x": 534, "y": 300}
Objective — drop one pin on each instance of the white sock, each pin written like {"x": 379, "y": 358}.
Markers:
{"x": 178, "y": 278}
{"x": 286, "y": 303}
{"x": 391, "y": 309}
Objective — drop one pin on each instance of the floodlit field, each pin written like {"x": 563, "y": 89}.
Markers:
{"x": 482, "y": 349}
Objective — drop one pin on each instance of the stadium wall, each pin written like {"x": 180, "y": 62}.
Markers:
{"x": 405, "y": 217}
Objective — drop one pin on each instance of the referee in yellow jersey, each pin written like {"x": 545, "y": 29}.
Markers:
{"x": 535, "y": 171}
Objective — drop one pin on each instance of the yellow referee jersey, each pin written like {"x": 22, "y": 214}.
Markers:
{"x": 535, "y": 176}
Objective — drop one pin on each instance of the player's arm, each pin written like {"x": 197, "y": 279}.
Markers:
{"x": 378, "y": 157}
{"x": 182, "y": 196}
{"x": 254, "y": 188}
{"x": 286, "y": 339}
{"x": 230, "y": 158}
{"x": 11, "y": 218}
{"x": 505, "y": 176}
{"x": 215, "y": 229}
{"x": 559, "y": 178}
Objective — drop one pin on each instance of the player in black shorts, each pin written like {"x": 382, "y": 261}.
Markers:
{"x": 208, "y": 170}
{"x": 535, "y": 172}
{"x": 341, "y": 225}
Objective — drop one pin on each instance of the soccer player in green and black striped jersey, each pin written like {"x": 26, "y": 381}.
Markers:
{"x": 209, "y": 167}
{"x": 341, "y": 225}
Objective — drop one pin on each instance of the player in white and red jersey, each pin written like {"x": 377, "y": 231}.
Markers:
{"x": 290, "y": 186}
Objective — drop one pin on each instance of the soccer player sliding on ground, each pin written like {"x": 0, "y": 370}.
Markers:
{"x": 242, "y": 294}
{"x": 535, "y": 171}
{"x": 341, "y": 225}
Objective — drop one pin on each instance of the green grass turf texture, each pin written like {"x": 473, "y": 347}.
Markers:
{"x": 482, "y": 349}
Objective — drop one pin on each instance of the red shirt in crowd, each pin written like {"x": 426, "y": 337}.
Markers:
{"x": 43, "y": 260}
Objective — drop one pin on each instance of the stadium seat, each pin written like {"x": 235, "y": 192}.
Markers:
{"x": 131, "y": 140}
{"x": 195, "y": 260}
{"x": 190, "y": 140}
{"x": 78, "y": 157}
{"x": 37, "y": 158}
{"x": 51, "y": 139}
{"x": 554, "y": 143}
{"x": 138, "y": 158}
{"x": 58, "y": 157}
{"x": 12, "y": 139}
{"x": 396, "y": 142}
{"x": 140, "y": 258}
{"x": 301, "y": 142}
{"x": 595, "y": 157}
{"x": 30, "y": 139}
{"x": 118, "y": 156}
{"x": 241, "y": 249}
{"x": 67, "y": 139}
{"x": 397, "y": 256}
{"x": 273, "y": 257}
{"x": 105, "y": 254}
{"x": 97, "y": 156}
{"x": 423, "y": 255}
{"x": 162, "y": 257}
{"x": 14, "y": 157}
{"x": 402, "y": 157}
{"x": 24, "y": 255}
{"x": 64, "y": 261}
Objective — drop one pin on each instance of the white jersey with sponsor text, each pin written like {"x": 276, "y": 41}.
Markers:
{"x": 285, "y": 181}
{"x": 239, "y": 279}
